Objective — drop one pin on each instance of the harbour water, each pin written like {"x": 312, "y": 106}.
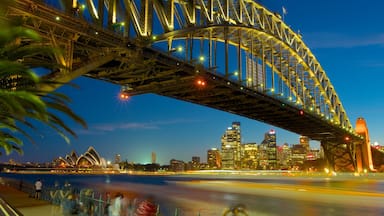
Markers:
{"x": 261, "y": 194}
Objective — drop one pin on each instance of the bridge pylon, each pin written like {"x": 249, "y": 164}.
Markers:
{"x": 363, "y": 151}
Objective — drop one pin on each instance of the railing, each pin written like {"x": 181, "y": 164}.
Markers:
{"x": 7, "y": 209}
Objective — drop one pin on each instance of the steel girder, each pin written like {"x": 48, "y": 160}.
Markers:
{"x": 281, "y": 77}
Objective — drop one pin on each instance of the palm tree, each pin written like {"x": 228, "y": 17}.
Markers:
{"x": 22, "y": 104}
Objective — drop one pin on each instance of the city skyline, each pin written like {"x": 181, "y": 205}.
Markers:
{"x": 348, "y": 47}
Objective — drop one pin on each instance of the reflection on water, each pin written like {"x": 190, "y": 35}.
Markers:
{"x": 261, "y": 195}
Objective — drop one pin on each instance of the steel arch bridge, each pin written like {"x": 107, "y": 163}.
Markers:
{"x": 231, "y": 55}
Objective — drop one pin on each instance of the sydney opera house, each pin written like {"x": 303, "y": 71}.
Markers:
{"x": 90, "y": 159}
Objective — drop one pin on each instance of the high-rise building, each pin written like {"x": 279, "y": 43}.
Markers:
{"x": 284, "y": 156}
{"x": 195, "y": 162}
{"x": 254, "y": 73}
{"x": 230, "y": 147}
{"x": 270, "y": 144}
{"x": 249, "y": 156}
{"x": 298, "y": 156}
{"x": 304, "y": 141}
{"x": 213, "y": 158}
{"x": 176, "y": 165}
{"x": 153, "y": 157}
{"x": 117, "y": 158}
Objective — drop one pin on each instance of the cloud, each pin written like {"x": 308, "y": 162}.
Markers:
{"x": 101, "y": 128}
{"x": 338, "y": 40}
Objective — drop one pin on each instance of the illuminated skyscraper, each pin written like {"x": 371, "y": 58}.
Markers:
{"x": 153, "y": 157}
{"x": 249, "y": 156}
{"x": 284, "y": 156}
{"x": 270, "y": 143}
{"x": 213, "y": 158}
{"x": 254, "y": 74}
{"x": 304, "y": 141}
{"x": 195, "y": 162}
{"x": 117, "y": 158}
{"x": 230, "y": 147}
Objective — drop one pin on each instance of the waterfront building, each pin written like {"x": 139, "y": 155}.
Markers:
{"x": 117, "y": 158}
{"x": 269, "y": 143}
{"x": 230, "y": 147}
{"x": 153, "y": 157}
{"x": 304, "y": 141}
{"x": 228, "y": 158}
{"x": 249, "y": 156}
{"x": 213, "y": 158}
{"x": 195, "y": 163}
{"x": 176, "y": 165}
{"x": 314, "y": 154}
{"x": 284, "y": 156}
{"x": 299, "y": 154}
{"x": 90, "y": 159}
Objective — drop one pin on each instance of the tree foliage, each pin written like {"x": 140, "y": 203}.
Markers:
{"x": 23, "y": 106}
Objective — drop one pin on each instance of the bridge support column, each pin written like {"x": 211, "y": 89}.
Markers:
{"x": 339, "y": 156}
{"x": 364, "y": 156}
{"x": 329, "y": 160}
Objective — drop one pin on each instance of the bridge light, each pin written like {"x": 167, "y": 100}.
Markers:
{"x": 180, "y": 49}
{"x": 154, "y": 37}
{"x": 82, "y": 6}
{"x": 347, "y": 138}
{"x": 301, "y": 112}
{"x": 201, "y": 58}
{"x": 123, "y": 96}
{"x": 200, "y": 82}
{"x": 57, "y": 18}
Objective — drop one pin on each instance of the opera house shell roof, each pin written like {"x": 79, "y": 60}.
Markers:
{"x": 90, "y": 159}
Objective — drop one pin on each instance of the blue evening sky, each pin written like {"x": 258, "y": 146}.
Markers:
{"x": 347, "y": 37}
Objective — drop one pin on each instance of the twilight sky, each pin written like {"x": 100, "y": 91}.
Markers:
{"x": 347, "y": 37}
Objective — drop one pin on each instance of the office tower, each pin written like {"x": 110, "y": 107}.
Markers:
{"x": 269, "y": 143}
{"x": 284, "y": 156}
{"x": 153, "y": 157}
{"x": 195, "y": 162}
{"x": 230, "y": 147}
{"x": 249, "y": 156}
{"x": 117, "y": 158}
{"x": 213, "y": 158}
{"x": 304, "y": 141}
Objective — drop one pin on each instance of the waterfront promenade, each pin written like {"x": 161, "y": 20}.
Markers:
{"x": 25, "y": 204}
